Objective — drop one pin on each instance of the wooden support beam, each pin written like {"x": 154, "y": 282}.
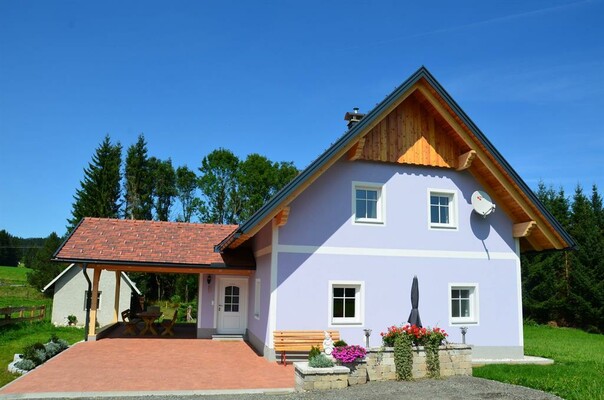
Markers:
{"x": 355, "y": 152}
{"x": 550, "y": 234}
{"x": 116, "y": 301}
{"x": 465, "y": 160}
{"x": 281, "y": 217}
{"x": 168, "y": 270}
{"x": 523, "y": 229}
{"x": 93, "y": 301}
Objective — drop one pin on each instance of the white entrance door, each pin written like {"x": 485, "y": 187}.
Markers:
{"x": 232, "y": 305}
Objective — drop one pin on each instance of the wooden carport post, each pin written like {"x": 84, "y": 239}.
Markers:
{"x": 116, "y": 302}
{"x": 93, "y": 301}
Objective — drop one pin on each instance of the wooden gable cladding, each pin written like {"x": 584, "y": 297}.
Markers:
{"x": 411, "y": 134}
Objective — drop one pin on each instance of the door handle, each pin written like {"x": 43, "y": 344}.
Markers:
{"x": 219, "y": 307}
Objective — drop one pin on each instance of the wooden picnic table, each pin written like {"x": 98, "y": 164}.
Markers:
{"x": 149, "y": 318}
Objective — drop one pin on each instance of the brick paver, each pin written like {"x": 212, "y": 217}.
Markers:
{"x": 112, "y": 365}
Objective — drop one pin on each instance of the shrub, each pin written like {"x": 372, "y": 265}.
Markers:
{"x": 348, "y": 354}
{"x": 175, "y": 299}
{"x": 320, "y": 361}
{"x": 35, "y": 352}
{"x": 52, "y": 349}
{"x": 314, "y": 351}
{"x": 63, "y": 344}
{"x": 25, "y": 364}
{"x": 340, "y": 343}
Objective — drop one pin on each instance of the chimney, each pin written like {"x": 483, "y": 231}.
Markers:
{"x": 353, "y": 117}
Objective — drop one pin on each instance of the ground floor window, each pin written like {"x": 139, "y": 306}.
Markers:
{"x": 345, "y": 302}
{"x": 463, "y": 303}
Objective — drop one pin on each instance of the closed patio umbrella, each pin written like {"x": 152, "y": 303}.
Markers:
{"x": 414, "y": 318}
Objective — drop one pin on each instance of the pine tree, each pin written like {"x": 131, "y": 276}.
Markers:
{"x": 99, "y": 193}
{"x": 138, "y": 182}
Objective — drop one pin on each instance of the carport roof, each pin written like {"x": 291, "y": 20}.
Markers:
{"x": 122, "y": 241}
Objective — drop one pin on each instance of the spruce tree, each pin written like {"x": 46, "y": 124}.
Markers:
{"x": 99, "y": 192}
{"x": 138, "y": 184}
{"x": 42, "y": 269}
{"x": 9, "y": 256}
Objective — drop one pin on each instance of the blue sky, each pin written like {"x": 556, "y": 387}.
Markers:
{"x": 277, "y": 77}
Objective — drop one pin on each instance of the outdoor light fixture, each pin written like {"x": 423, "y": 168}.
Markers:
{"x": 209, "y": 279}
{"x": 367, "y": 334}
{"x": 464, "y": 330}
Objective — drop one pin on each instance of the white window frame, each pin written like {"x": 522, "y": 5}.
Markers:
{"x": 257, "y": 299}
{"x": 359, "y": 318}
{"x": 452, "y": 194}
{"x": 380, "y": 207}
{"x": 100, "y": 298}
{"x": 473, "y": 319}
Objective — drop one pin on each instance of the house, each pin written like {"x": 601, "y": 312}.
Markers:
{"x": 339, "y": 245}
{"x": 70, "y": 291}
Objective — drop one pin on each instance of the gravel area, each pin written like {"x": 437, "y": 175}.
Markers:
{"x": 456, "y": 388}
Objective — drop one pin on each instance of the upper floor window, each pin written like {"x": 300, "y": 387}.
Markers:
{"x": 442, "y": 209}
{"x": 368, "y": 202}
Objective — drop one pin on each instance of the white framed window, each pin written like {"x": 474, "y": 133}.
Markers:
{"x": 88, "y": 298}
{"x": 442, "y": 209}
{"x": 368, "y": 202}
{"x": 463, "y": 303}
{"x": 257, "y": 299}
{"x": 346, "y": 302}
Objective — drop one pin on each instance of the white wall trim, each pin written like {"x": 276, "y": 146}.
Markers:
{"x": 272, "y": 311}
{"x": 263, "y": 251}
{"x": 370, "y": 251}
{"x": 519, "y": 293}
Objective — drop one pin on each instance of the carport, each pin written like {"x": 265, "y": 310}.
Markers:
{"x": 102, "y": 245}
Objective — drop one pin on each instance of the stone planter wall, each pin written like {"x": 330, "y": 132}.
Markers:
{"x": 309, "y": 378}
{"x": 455, "y": 359}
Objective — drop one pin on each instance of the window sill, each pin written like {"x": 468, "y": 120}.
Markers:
{"x": 463, "y": 322}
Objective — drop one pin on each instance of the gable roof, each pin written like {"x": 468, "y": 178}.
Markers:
{"x": 126, "y": 278}
{"x": 539, "y": 230}
{"x": 148, "y": 243}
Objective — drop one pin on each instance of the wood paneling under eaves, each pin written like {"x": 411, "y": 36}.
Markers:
{"x": 411, "y": 134}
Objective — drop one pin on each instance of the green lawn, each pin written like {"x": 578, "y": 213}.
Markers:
{"x": 14, "y": 337}
{"x": 578, "y": 372}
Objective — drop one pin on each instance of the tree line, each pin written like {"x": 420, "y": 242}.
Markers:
{"x": 224, "y": 190}
{"x": 566, "y": 288}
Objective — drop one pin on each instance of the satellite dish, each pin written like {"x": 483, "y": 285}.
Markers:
{"x": 482, "y": 203}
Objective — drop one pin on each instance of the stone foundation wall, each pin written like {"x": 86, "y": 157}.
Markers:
{"x": 455, "y": 359}
{"x": 378, "y": 365}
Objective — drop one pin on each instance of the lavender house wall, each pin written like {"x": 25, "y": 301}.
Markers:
{"x": 320, "y": 243}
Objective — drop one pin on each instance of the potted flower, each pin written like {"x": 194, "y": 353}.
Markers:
{"x": 351, "y": 357}
{"x": 72, "y": 320}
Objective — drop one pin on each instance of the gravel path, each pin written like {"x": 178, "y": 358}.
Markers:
{"x": 456, "y": 388}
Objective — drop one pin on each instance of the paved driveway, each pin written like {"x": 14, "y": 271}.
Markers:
{"x": 136, "y": 366}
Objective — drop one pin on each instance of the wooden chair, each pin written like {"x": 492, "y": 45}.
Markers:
{"x": 129, "y": 323}
{"x": 168, "y": 325}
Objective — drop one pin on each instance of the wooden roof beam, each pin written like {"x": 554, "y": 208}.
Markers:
{"x": 355, "y": 152}
{"x": 281, "y": 217}
{"x": 523, "y": 229}
{"x": 465, "y": 160}
{"x": 490, "y": 165}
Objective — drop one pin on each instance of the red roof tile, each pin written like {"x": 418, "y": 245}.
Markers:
{"x": 134, "y": 241}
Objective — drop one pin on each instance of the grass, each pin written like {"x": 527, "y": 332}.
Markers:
{"x": 579, "y": 363}
{"x": 14, "y": 291}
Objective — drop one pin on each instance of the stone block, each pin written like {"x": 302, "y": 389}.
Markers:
{"x": 322, "y": 385}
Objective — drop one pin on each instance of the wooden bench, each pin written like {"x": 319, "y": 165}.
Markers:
{"x": 300, "y": 340}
